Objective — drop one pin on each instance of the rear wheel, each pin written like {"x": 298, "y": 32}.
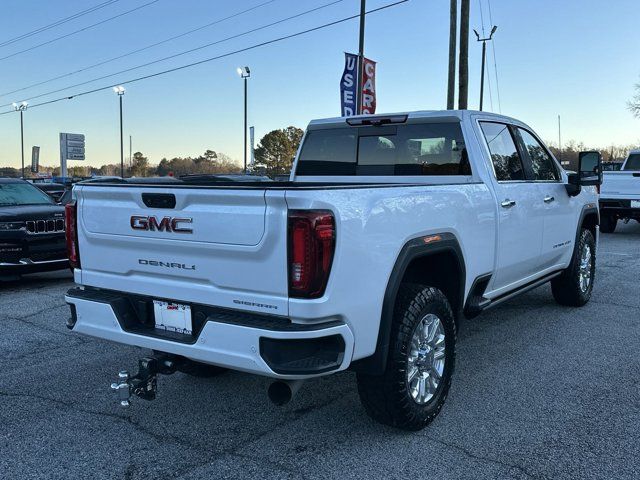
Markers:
{"x": 416, "y": 381}
{"x": 608, "y": 223}
{"x": 574, "y": 286}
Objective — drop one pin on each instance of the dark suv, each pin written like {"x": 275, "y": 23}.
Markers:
{"x": 31, "y": 230}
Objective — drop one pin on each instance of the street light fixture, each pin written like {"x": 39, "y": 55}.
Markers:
{"x": 484, "y": 56}
{"x": 119, "y": 90}
{"x": 21, "y": 108}
{"x": 245, "y": 73}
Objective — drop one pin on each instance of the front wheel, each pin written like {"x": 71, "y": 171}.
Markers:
{"x": 414, "y": 386}
{"x": 574, "y": 286}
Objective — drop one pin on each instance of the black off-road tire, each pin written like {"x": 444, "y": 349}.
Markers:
{"x": 386, "y": 398}
{"x": 608, "y": 223}
{"x": 566, "y": 287}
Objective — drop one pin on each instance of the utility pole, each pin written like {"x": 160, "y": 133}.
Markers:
{"x": 21, "y": 108}
{"x": 559, "y": 142}
{"x": 451, "y": 84}
{"x": 484, "y": 59}
{"x": 363, "y": 6}
{"x": 119, "y": 90}
{"x": 463, "y": 72}
{"x": 130, "y": 155}
{"x": 245, "y": 73}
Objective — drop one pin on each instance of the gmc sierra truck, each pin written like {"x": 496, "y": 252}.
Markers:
{"x": 389, "y": 230}
{"x": 620, "y": 194}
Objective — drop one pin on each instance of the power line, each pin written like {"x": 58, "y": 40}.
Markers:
{"x": 104, "y": 62}
{"x": 57, "y": 23}
{"x": 210, "y": 59}
{"x": 191, "y": 50}
{"x": 495, "y": 62}
{"x": 78, "y": 31}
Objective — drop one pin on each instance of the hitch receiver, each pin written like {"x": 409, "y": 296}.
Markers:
{"x": 143, "y": 384}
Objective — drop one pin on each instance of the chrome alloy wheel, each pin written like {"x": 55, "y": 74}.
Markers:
{"x": 425, "y": 362}
{"x": 584, "y": 272}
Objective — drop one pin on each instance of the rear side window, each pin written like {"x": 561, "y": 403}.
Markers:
{"x": 633, "y": 162}
{"x": 542, "y": 164}
{"x": 414, "y": 149}
{"x": 504, "y": 154}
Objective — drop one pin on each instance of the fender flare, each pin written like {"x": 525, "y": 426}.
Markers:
{"x": 588, "y": 209}
{"x": 415, "y": 248}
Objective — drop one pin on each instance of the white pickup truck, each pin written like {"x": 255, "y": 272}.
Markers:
{"x": 390, "y": 229}
{"x": 620, "y": 194}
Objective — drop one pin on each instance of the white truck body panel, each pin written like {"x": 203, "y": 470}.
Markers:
{"x": 238, "y": 248}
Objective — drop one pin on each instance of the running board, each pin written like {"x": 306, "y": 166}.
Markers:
{"x": 524, "y": 288}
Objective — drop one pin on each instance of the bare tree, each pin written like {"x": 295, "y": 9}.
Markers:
{"x": 634, "y": 103}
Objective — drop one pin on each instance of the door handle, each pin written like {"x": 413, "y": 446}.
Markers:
{"x": 548, "y": 199}
{"x": 508, "y": 203}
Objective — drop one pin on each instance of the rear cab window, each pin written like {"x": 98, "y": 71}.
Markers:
{"x": 633, "y": 162}
{"x": 429, "y": 148}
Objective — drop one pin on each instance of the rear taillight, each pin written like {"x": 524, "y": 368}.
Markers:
{"x": 71, "y": 233}
{"x": 312, "y": 240}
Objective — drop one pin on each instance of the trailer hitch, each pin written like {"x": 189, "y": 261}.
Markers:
{"x": 144, "y": 384}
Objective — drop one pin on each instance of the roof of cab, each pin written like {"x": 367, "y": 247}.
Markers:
{"x": 459, "y": 114}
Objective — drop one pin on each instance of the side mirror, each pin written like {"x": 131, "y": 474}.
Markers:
{"x": 589, "y": 168}
{"x": 589, "y": 172}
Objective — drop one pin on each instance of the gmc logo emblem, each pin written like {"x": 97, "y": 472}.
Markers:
{"x": 167, "y": 224}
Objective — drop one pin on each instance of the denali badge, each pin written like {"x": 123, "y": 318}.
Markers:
{"x": 167, "y": 224}
{"x": 157, "y": 263}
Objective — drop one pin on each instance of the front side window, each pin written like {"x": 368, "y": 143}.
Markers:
{"x": 542, "y": 164}
{"x": 504, "y": 154}
{"x": 22, "y": 194}
{"x": 408, "y": 149}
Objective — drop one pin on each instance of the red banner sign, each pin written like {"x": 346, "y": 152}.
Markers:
{"x": 369, "y": 87}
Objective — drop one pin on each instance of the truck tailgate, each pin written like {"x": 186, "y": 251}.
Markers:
{"x": 229, "y": 247}
{"x": 621, "y": 185}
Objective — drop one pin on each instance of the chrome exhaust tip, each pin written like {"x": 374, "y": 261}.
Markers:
{"x": 281, "y": 392}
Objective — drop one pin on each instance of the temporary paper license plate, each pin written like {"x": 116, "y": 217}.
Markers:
{"x": 635, "y": 203}
{"x": 173, "y": 317}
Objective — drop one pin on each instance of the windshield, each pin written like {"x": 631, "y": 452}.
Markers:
{"x": 410, "y": 149}
{"x": 22, "y": 194}
{"x": 633, "y": 162}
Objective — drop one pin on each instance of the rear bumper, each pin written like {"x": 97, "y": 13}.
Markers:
{"x": 259, "y": 344}
{"x": 620, "y": 208}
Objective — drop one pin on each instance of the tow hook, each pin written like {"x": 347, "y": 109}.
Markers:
{"x": 143, "y": 384}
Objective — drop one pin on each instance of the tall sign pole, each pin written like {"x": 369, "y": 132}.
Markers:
{"x": 363, "y": 6}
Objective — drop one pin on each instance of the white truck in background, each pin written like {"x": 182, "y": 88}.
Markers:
{"x": 620, "y": 194}
{"x": 390, "y": 229}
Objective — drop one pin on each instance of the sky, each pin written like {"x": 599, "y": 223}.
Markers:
{"x": 574, "y": 58}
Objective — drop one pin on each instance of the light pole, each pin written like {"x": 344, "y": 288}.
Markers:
{"x": 245, "y": 73}
{"x": 484, "y": 56}
{"x": 120, "y": 92}
{"x": 21, "y": 108}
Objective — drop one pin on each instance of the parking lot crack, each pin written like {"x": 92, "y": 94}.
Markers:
{"x": 470, "y": 454}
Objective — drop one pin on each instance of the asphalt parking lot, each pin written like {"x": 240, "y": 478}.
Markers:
{"x": 540, "y": 391}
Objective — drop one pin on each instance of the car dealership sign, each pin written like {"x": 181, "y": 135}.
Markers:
{"x": 348, "y": 89}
